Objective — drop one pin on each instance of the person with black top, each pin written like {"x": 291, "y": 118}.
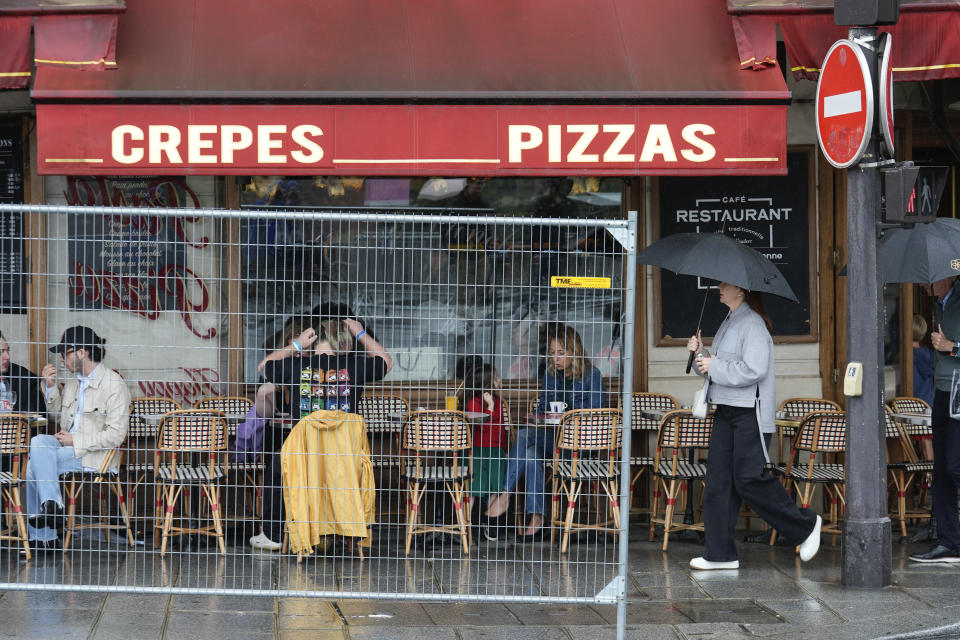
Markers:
{"x": 325, "y": 371}
{"x": 21, "y": 381}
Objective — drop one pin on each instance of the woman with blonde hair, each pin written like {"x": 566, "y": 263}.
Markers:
{"x": 571, "y": 379}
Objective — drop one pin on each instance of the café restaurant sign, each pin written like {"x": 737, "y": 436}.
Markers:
{"x": 475, "y": 140}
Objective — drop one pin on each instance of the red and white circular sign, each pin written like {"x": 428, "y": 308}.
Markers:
{"x": 886, "y": 93}
{"x": 844, "y": 104}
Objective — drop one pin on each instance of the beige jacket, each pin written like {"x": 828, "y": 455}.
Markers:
{"x": 106, "y": 414}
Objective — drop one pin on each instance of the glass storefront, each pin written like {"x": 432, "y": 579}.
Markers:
{"x": 459, "y": 291}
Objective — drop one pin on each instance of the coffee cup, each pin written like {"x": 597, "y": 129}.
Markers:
{"x": 558, "y": 407}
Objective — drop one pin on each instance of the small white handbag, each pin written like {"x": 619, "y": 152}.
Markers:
{"x": 699, "y": 408}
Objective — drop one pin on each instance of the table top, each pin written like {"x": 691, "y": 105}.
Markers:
{"x": 544, "y": 419}
{"x": 154, "y": 419}
{"x": 654, "y": 414}
{"x": 920, "y": 419}
{"x": 37, "y": 419}
{"x": 474, "y": 417}
{"x": 787, "y": 420}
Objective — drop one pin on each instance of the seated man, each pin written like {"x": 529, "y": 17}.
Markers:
{"x": 94, "y": 411}
{"x": 21, "y": 381}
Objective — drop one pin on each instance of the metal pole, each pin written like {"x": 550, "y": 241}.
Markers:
{"x": 626, "y": 395}
{"x": 866, "y": 553}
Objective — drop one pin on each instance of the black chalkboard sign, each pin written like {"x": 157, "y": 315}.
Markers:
{"x": 12, "y": 275}
{"x": 769, "y": 213}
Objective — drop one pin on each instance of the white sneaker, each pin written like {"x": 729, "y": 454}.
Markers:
{"x": 263, "y": 543}
{"x": 810, "y": 546}
{"x": 700, "y": 564}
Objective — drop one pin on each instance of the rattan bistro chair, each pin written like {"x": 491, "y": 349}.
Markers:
{"x": 190, "y": 444}
{"x": 14, "y": 442}
{"x": 799, "y": 407}
{"x": 250, "y": 470}
{"x": 141, "y": 445}
{"x": 644, "y": 428}
{"x": 380, "y": 413}
{"x": 587, "y": 451}
{"x": 437, "y": 447}
{"x": 682, "y": 438}
{"x": 903, "y": 463}
{"x": 821, "y": 433}
{"x": 107, "y": 475}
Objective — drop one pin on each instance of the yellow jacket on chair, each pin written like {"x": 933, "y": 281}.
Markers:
{"x": 328, "y": 485}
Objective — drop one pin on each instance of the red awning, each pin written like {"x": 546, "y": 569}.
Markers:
{"x": 292, "y": 50}
{"x": 76, "y": 34}
{"x": 406, "y": 87}
{"x": 925, "y": 42}
{"x": 75, "y": 42}
{"x": 14, "y": 52}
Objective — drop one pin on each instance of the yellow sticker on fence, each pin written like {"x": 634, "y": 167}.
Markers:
{"x": 570, "y": 282}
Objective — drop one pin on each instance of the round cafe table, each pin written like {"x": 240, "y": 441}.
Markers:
{"x": 474, "y": 417}
{"x": 917, "y": 424}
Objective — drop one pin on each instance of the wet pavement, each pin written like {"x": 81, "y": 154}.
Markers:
{"x": 773, "y": 595}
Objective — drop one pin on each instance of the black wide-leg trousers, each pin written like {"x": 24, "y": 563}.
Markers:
{"x": 735, "y": 474}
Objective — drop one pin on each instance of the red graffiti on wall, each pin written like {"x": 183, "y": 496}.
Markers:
{"x": 200, "y": 382}
{"x": 141, "y": 296}
{"x": 148, "y": 291}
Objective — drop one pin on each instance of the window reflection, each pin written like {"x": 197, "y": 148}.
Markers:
{"x": 454, "y": 289}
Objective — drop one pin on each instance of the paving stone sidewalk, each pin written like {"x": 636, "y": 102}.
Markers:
{"x": 773, "y": 595}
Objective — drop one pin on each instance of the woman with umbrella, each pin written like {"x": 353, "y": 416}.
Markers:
{"x": 739, "y": 381}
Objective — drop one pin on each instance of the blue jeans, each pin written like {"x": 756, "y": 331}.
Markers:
{"x": 48, "y": 460}
{"x": 526, "y": 459}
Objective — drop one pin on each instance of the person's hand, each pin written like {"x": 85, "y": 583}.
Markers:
{"x": 940, "y": 341}
{"x": 703, "y": 363}
{"x": 488, "y": 400}
{"x": 307, "y": 338}
{"x": 49, "y": 374}
{"x": 65, "y": 438}
{"x": 694, "y": 343}
{"x": 353, "y": 326}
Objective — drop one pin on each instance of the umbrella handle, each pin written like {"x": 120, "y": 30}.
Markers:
{"x": 690, "y": 361}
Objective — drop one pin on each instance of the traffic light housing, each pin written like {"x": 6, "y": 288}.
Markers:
{"x": 865, "y": 13}
{"x": 912, "y": 194}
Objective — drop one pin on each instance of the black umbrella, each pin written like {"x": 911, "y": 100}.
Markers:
{"x": 928, "y": 252}
{"x": 719, "y": 257}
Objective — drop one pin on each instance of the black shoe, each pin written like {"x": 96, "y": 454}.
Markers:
{"x": 43, "y": 547}
{"x": 759, "y": 538}
{"x": 51, "y": 515}
{"x": 938, "y": 553}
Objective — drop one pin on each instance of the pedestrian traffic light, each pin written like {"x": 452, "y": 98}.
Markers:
{"x": 911, "y": 193}
{"x": 865, "y": 13}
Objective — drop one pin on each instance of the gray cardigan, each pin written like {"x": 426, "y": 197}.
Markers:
{"x": 744, "y": 360}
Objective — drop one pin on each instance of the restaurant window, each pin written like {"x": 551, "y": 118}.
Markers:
{"x": 462, "y": 294}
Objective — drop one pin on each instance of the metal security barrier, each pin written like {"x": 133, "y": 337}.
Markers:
{"x": 439, "y": 334}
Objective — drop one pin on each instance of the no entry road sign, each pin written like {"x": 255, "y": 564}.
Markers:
{"x": 844, "y": 104}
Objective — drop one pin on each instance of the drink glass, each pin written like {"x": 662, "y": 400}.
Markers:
{"x": 8, "y": 399}
{"x": 451, "y": 403}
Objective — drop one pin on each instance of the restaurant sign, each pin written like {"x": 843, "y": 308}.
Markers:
{"x": 472, "y": 140}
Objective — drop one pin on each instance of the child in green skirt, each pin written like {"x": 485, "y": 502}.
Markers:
{"x": 481, "y": 392}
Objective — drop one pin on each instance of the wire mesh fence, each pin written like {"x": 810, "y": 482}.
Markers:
{"x": 349, "y": 402}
